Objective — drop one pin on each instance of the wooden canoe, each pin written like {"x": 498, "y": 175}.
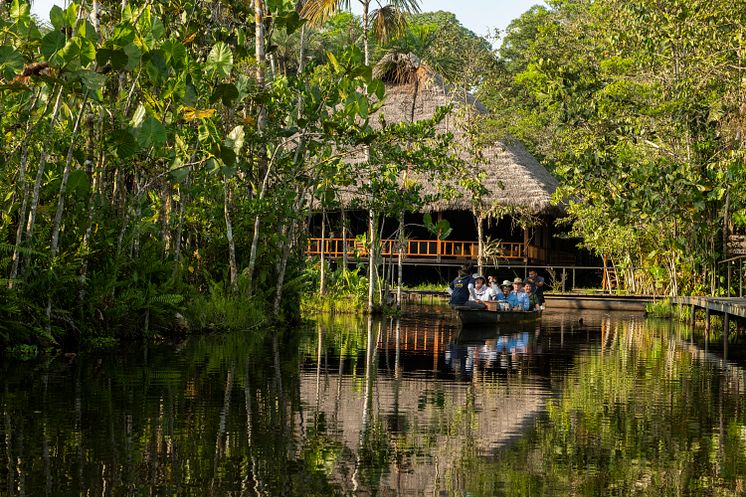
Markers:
{"x": 470, "y": 316}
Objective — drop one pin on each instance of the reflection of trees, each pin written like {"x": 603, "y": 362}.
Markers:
{"x": 160, "y": 423}
{"x": 640, "y": 418}
{"x": 636, "y": 413}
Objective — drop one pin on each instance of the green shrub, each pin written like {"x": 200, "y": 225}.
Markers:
{"x": 659, "y": 309}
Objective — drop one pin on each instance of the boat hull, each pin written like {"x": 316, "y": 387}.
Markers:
{"x": 480, "y": 317}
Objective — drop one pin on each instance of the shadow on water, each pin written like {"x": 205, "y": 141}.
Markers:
{"x": 587, "y": 403}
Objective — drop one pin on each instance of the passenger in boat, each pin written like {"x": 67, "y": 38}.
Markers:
{"x": 503, "y": 297}
{"x": 481, "y": 291}
{"x": 518, "y": 298}
{"x": 537, "y": 284}
{"x": 460, "y": 287}
{"x": 492, "y": 283}
{"x": 504, "y": 293}
{"x": 533, "y": 300}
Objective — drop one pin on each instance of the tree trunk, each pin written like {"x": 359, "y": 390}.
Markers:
{"x": 480, "y": 241}
{"x": 260, "y": 125}
{"x": 345, "y": 260}
{"x": 229, "y": 234}
{"x": 40, "y": 172}
{"x": 371, "y": 261}
{"x": 322, "y": 275}
{"x": 400, "y": 260}
{"x": 65, "y": 177}
{"x": 21, "y": 216}
{"x": 179, "y": 226}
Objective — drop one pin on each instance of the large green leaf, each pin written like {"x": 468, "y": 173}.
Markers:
{"x": 122, "y": 35}
{"x": 235, "y": 139}
{"x": 78, "y": 52}
{"x": 123, "y": 142}
{"x": 175, "y": 53}
{"x": 133, "y": 56}
{"x": 150, "y": 133}
{"x": 51, "y": 43}
{"x": 220, "y": 60}
{"x": 20, "y": 10}
{"x": 57, "y": 18}
{"x": 11, "y": 62}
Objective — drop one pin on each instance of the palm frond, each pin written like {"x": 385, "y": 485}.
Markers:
{"x": 405, "y": 6}
{"x": 318, "y": 11}
{"x": 388, "y": 23}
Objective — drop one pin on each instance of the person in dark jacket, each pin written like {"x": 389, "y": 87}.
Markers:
{"x": 460, "y": 287}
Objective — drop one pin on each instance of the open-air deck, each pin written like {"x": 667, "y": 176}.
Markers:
{"x": 427, "y": 251}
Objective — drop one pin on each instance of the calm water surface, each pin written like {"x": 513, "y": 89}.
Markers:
{"x": 577, "y": 404}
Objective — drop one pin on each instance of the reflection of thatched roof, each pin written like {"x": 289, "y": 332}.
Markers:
{"x": 514, "y": 178}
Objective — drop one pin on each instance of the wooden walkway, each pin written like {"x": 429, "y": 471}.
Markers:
{"x": 728, "y": 307}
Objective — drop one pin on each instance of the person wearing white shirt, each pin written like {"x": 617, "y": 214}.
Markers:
{"x": 481, "y": 292}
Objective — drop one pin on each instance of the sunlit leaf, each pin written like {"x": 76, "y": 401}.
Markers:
{"x": 220, "y": 60}
{"x": 190, "y": 113}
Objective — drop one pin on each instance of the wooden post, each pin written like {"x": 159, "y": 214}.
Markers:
{"x": 707, "y": 321}
{"x": 726, "y": 326}
{"x": 729, "y": 271}
{"x": 694, "y": 311}
{"x": 564, "y": 277}
{"x": 525, "y": 245}
{"x": 439, "y": 243}
{"x": 573, "y": 280}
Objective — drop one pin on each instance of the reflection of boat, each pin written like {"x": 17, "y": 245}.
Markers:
{"x": 470, "y": 316}
{"x": 480, "y": 333}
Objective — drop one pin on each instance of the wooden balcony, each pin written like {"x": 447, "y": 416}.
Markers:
{"x": 424, "y": 250}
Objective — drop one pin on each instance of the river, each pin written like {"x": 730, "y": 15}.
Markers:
{"x": 579, "y": 403}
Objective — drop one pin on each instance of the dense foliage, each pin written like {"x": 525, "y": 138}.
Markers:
{"x": 163, "y": 158}
{"x": 639, "y": 107}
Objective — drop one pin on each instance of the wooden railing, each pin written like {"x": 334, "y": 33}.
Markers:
{"x": 448, "y": 249}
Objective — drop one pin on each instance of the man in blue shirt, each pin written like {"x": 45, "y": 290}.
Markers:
{"x": 518, "y": 298}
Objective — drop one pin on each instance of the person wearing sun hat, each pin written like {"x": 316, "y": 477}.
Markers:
{"x": 518, "y": 298}
{"x": 503, "y": 295}
{"x": 481, "y": 291}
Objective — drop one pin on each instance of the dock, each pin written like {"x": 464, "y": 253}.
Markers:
{"x": 728, "y": 307}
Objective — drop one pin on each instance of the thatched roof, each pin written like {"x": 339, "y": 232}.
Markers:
{"x": 513, "y": 177}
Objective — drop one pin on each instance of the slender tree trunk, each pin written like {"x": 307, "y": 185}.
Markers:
{"x": 400, "y": 260}
{"x": 40, "y": 172}
{"x": 229, "y": 234}
{"x": 179, "y": 227}
{"x": 480, "y": 241}
{"x": 260, "y": 124}
{"x": 24, "y": 188}
{"x": 21, "y": 217}
{"x": 372, "y": 255}
{"x": 65, "y": 177}
{"x": 345, "y": 259}
{"x": 322, "y": 276}
{"x": 373, "y": 251}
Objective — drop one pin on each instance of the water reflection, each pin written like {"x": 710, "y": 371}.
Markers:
{"x": 582, "y": 404}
